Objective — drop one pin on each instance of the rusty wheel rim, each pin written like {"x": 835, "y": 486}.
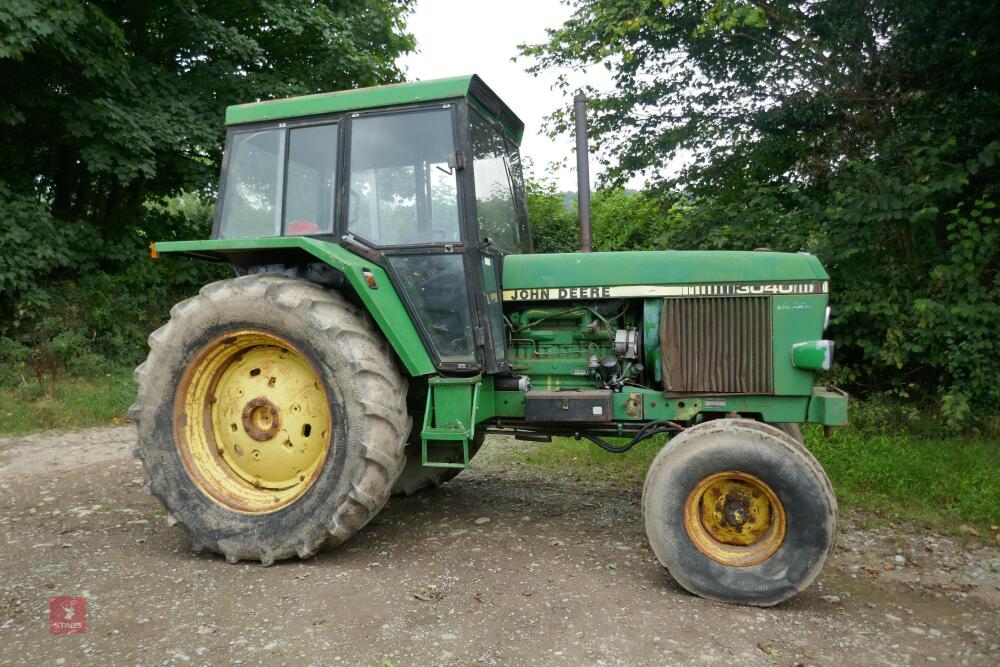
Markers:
{"x": 252, "y": 421}
{"x": 735, "y": 518}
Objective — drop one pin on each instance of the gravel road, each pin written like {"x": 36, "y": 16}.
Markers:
{"x": 505, "y": 565}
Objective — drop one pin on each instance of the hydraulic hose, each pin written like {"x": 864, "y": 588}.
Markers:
{"x": 647, "y": 431}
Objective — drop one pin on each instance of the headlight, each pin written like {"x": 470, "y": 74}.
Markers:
{"x": 826, "y": 319}
{"x": 813, "y": 355}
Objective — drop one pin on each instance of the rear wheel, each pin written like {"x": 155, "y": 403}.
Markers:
{"x": 739, "y": 511}
{"x": 271, "y": 417}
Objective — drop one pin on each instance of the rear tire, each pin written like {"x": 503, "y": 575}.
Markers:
{"x": 190, "y": 442}
{"x": 738, "y": 511}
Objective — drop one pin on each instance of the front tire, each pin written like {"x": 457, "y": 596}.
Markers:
{"x": 740, "y": 512}
{"x": 271, "y": 418}
{"x": 791, "y": 429}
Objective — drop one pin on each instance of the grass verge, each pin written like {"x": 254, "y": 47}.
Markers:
{"x": 930, "y": 478}
{"x": 912, "y": 471}
{"x": 69, "y": 402}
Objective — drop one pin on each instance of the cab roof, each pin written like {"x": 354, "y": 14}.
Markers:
{"x": 397, "y": 94}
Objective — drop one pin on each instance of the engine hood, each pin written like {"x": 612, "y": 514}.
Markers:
{"x": 660, "y": 273}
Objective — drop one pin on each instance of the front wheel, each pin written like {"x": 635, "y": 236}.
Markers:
{"x": 791, "y": 429}
{"x": 740, "y": 512}
{"x": 271, "y": 418}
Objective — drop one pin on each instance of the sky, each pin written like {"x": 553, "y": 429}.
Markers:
{"x": 480, "y": 37}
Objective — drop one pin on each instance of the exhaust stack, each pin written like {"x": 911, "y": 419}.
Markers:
{"x": 582, "y": 171}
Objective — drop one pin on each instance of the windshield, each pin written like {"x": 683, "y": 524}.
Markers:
{"x": 402, "y": 190}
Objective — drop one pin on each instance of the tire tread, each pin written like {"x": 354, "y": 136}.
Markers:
{"x": 384, "y": 409}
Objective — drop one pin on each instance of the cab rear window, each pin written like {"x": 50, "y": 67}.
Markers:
{"x": 280, "y": 181}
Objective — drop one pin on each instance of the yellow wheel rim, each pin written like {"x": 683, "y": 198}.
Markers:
{"x": 252, "y": 421}
{"x": 734, "y": 518}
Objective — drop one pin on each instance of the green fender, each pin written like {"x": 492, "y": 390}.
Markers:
{"x": 383, "y": 303}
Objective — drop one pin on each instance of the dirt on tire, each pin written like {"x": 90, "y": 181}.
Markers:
{"x": 503, "y": 565}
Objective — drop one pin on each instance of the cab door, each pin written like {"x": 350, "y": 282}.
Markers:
{"x": 491, "y": 262}
{"x": 403, "y": 200}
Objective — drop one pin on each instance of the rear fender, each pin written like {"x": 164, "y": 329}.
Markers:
{"x": 381, "y": 301}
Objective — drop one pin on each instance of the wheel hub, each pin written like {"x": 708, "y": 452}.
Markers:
{"x": 735, "y": 512}
{"x": 261, "y": 419}
{"x": 253, "y": 421}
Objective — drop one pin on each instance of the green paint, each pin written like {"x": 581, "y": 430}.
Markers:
{"x": 657, "y": 267}
{"x": 794, "y": 319}
{"x": 375, "y": 97}
{"x": 383, "y": 303}
{"x": 651, "y": 310}
{"x": 821, "y": 407}
{"x": 551, "y": 344}
{"x": 508, "y": 404}
{"x": 812, "y": 355}
{"x": 485, "y": 400}
{"x": 562, "y": 332}
{"x": 451, "y": 414}
{"x": 350, "y": 100}
{"x": 827, "y": 407}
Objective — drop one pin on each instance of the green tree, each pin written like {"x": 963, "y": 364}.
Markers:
{"x": 624, "y": 220}
{"x": 553, "y": 225}
{"x": 111, "y": 108}
{"x": 860, "y": 130}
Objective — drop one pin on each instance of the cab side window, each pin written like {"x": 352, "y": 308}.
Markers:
{"x": 496, "y": 207}
{"x": 250, "y": 202}
{"x": 310, "y": 184}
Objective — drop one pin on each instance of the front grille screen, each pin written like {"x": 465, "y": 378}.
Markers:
{"x": 716, "y": 345}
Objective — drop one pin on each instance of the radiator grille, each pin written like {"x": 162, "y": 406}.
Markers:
{"x": 716, "y": 345}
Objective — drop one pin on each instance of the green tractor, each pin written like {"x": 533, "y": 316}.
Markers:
{"x": 388, "y": 314}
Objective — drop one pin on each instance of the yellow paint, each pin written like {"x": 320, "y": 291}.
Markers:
{"x": 252, "y": 421}
{"x": 734, "y": 518}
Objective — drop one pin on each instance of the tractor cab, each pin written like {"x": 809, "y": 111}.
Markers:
{"x": 423, "y": 179}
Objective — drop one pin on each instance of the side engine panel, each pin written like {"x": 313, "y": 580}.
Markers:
{"x": 690, "y": 345}
{"x": 584, "y": 345}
